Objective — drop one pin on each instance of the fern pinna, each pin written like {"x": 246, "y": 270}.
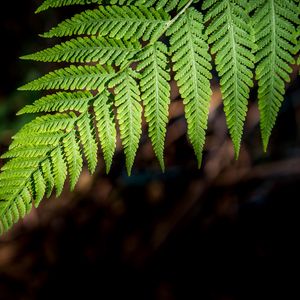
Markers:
{"x": 121, "y": 53}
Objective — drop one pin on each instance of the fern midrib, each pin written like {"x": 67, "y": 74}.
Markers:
{"x": 93, "y": 48}
{"x": 108, "y": 130}
{"x": 89, "y": 75}
{"x": 273, "y": 61}
{"x": 152, "y": 42}
{"x": 156, "y": 95}
{"x": 89, "y": 143}
{"x": 232, "y": 39}
{"x": 178, "y": 15}
{"x": 110, "y": 20}
{"x": 131, "y": 121}
{"x": 195, "y": 81}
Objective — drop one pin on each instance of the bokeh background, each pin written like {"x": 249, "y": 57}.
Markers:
{"x": 228, "y": 231}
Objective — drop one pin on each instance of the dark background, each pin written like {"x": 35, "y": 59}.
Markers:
{"x": 228, "y": 231}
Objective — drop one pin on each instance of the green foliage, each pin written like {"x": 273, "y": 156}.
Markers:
{"x": 89, "y": 49}
{"x": 230, "y": 35}
{"x": 119, "y": 22}
{"x": 192, "y": 66}
{"x": 72, "y": 78}
{"x": 59, "y": 102}
{"x": 274, "y": 34}
{"x": 59, "y": 3}
{"x": 155, "y": 90}
{"x": 88, "y": 140}
{"x": 122, "y": 52}
{"x": 129, "y": 112}
{"x": 103, "y": 107}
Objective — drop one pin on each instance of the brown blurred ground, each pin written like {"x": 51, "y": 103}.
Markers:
{"x": 227, "y": 231}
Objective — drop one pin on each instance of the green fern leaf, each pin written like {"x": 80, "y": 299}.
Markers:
{"x": 48, "y": 175}
{"x": 39, "y": 187}
{"x": 155, "y": 94}
{"x": 115, "y": 70}
{"x": 274, "y": 30}
{"x": 72, "y": 78}
{"x": 18, "y": 163}
{"x": 37, "y": 165}
{"x": 129, "y": 112}
{"x": 89, "y": 49}
{"x": 128, "y": 22}
{"x": 60, "y": 102}
{"x": 230, "y": 34}
{"x": 106, "y": 126}
{"x": 73, "y": 156}
{"x": 31, "y": 151}
{"x": 37, "y": 139}
{"x": 192, "y": 66}
{"x": 47, "y": 124}
{"x": 88, "y": 140}
{"x": 59, "y": 167}
{"x": 59, "y": 3}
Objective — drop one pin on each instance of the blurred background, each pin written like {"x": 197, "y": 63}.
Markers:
{"x": 228, "y": 231}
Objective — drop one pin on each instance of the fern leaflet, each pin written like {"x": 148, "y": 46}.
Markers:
{"x": 274, "y": 31}
{"x": 128, "y": 22}
{"x": 72, "y": 78}
{"x": 88, "y": 140}
{"x": 155, "y": 90}
{"x": 106, "y": 126}
{"x": 89, "y": 49}
{"x": 230, "y": 34}
{"x": 59, "y": 3}
{"x": 129, "y": 113}
{"x": 192, "y": 66}
{"x": 60, "y": 102}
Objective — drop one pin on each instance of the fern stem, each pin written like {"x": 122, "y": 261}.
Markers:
{"x": 177, "y": 16}
{"x": 134, "y": 59}
{"x": 265, "y": 134}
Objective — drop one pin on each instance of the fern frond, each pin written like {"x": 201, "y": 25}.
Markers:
{"x": 155, "y": 90}
{"x": 73, "y": 157}
{"x": 129, "y": 112}
{"x": 59, "y": 102}
{"x": 106, "y": 126}
{"x": 38, "y": 139}
{"x": 59, "y": 168}
{"x": 59, "y": 3}
{"x": 114, "y": 69}
{"x": 38, "y": 187}
{"x": 88, "y": 140}
{"x": 47, "y": 170}
{"x": 274, "y": 31}
{"x": 167, "y": 5}
{"x": 27, "y": 152}
{"x": 89, "y": 49}
{"x": 72, "y": 78}
{"x": 37, "y": 165}
{"x": 17, "y": 163}
{"x": 230, "y": 35}
{"x": 48, "y": 123}
{"x": 128, "y": 22}
{"x": 19, "y": 208}
{"x": 192, "y": 67}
